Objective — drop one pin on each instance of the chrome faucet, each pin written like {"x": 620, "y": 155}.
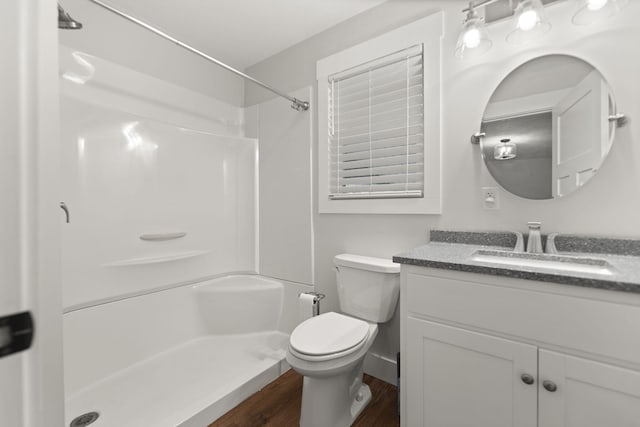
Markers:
{"x": 534, "y": 241}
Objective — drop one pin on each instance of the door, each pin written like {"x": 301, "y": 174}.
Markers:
{"x": 30, "y": 380}
{"x": 587, "y": 393}
{"x": 461, "y": 378}
{"x": 579, "y": 127}
{"x": 12, "y": 386}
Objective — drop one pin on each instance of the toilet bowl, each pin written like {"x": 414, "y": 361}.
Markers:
{"x": 333, "y": 391}
{"x": 329, "y": 349}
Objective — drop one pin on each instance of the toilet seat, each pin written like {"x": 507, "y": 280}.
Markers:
{"x": 328, "y": 336}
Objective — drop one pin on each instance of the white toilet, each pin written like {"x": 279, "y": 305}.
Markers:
{"x": 329, "y": 349}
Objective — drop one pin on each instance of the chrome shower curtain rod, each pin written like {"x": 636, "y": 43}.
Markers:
{"x": 297, "y": 104}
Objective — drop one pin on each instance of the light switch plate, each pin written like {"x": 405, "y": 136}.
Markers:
{"x": 490, "y": 198}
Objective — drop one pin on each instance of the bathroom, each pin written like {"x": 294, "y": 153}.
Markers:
{"x": 246, "y": 193}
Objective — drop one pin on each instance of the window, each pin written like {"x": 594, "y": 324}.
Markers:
{"x": 375, "y": 128}
{"x": 379, "y": 123}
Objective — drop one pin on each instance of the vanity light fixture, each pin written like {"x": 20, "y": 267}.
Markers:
{"x": 529, "y": 17}
{"x": 530, "y": 22}
{"x": 506, "y": 150}
{"x": 473, "y": 39}
{"x": 593, "y": 11}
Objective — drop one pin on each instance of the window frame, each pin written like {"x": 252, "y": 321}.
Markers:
{"x": 427, "y": 32}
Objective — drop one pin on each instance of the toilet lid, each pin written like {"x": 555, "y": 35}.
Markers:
{"x": 328, "y": 333}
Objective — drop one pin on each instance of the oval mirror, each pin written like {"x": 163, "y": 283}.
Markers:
{"x": 548, "y": 127}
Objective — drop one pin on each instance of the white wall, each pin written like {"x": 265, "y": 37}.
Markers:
{"x": 285, "y": 212}
{"x": 113, "y": 38}
{"x": 607, "y": 205}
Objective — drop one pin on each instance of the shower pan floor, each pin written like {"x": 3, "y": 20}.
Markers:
{"x": 189, "y": 385}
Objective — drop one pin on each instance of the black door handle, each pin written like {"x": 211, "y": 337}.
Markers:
{"x": 16, "y": 333}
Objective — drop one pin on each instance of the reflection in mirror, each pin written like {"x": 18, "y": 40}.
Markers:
{"x": 547, "y": 127}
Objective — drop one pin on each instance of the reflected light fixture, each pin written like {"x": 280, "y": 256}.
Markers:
{"x": 473, "y": 39}
{"x": 530, "y": 21}
{"x": 592, "y": 11}
{"x": 506, "y": 150}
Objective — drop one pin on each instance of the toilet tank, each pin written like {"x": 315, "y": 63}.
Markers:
{"x": 368, "y": 288}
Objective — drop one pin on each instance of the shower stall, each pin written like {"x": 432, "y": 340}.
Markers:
{"x": 165, "y": 322}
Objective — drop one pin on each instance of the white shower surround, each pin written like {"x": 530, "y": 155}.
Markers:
{"x": 141, "y": 156}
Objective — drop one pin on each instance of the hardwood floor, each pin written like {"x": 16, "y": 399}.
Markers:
{"x": 278, "y": 405}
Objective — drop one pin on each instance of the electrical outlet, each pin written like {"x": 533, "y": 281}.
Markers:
{"x": 490, "y": 198}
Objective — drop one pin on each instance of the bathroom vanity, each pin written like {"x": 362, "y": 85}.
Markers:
{"x": 489, "y": 344}
{"x": 492, "y": 336}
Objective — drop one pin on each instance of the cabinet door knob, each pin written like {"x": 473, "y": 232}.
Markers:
{"x": 549, "y": 386}
{"x": 527, "y": 379}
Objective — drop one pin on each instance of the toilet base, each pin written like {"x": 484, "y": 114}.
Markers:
{"x": 364, "y": 394}
{"x": 334, "y": 401}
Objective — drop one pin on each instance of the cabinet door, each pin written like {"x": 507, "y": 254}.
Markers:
{"x": 459, "y": 378}
{"x": 588, "y": 394}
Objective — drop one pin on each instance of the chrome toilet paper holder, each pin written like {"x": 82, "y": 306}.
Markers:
{"x": 316, "y": 301}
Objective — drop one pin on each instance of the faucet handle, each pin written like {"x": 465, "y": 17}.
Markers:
{"x": 534, "y": 225}
{"x": 534, "y": 240}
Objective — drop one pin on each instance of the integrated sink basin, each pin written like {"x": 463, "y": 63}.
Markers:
{"x": 556, "y": 263}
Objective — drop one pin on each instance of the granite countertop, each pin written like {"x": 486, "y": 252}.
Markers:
{"x": 453, "y": 251}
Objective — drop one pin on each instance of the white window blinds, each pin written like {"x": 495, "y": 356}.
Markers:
{"x": 375, "y": 123}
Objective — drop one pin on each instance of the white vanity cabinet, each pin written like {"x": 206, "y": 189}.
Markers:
{"x": 488, "y": 351}
{"x": 589, "y": 393}
{"x": 457, "y": 377}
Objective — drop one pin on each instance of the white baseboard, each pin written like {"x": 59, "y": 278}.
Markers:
{"x": 381, "y": 367}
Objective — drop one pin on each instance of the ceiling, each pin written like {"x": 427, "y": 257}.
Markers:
{"x": 243, "y": 32}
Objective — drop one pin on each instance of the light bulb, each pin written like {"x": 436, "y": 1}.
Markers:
{"x": 592, "y": 11}
{"x": 472, "y": 38}
{"x": 528, "y": 20}
{"x": 596, "y": 4}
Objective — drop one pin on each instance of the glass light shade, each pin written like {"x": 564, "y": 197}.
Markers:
{"x": 505, "y": 150}
{"x": 593, "y": 11}
{"x": 530, "y": 22}
{"x": 473, "y": 39}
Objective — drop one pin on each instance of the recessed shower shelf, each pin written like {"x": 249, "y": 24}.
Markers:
{"x": 155, "y": 259}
